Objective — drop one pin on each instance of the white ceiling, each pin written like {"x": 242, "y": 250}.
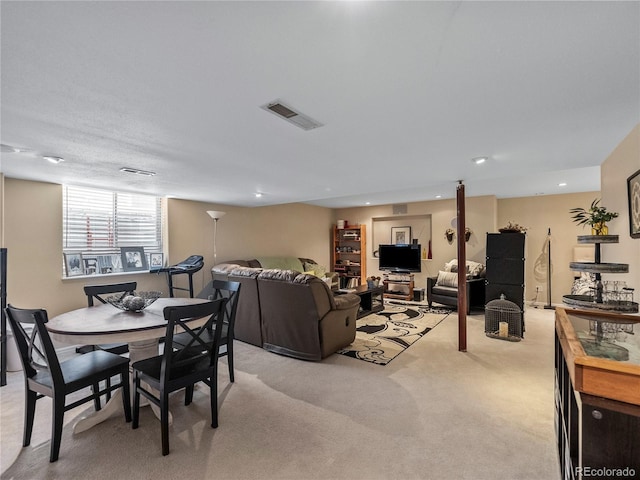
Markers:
{"x": 408, "y": 92}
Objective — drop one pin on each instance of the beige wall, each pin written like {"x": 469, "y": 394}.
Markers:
{"x": 243, "y": 233}
{"x": 480, "y": 215}
{"x": 622, "y": 163}
{"x": 539, "y": 214}
{"x": 31, "y": 223}
{"x": 486, "y": 214}
{"x": 1, "y": 210}
{"x": 33, "y": 236}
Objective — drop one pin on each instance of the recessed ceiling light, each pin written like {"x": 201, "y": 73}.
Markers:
{"x": 438, "y": 196}
{"x": 52, "y": 159}
{"x": 562, "y": 184}
{"x": 479, "y": 160}
{"x": 367, "y": 203}
{"x": 137, "y": 171}
{"x": 258, "y": 194}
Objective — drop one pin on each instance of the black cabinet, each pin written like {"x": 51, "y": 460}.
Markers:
{"x": 505, "y": 267}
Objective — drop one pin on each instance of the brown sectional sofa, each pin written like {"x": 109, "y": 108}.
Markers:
{"x": 288, "y": 312}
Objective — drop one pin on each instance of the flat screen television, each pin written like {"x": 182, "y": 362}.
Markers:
{"x": 399, "y": 258}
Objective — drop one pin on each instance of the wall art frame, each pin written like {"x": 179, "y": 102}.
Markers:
{"x": 401, "y": 235}
{"x": 633, "y": 191}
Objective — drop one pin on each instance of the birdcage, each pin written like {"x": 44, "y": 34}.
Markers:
{"x": 503, "y": 320}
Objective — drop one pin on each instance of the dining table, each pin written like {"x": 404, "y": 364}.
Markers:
{"x": 106, "y": 323}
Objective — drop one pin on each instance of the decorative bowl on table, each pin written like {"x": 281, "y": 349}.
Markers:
{"x": 134, "y": 303}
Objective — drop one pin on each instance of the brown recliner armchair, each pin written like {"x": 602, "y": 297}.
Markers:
{"x": 300, "y": 316}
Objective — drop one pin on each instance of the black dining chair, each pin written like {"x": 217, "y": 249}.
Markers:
{"x": 230, "y": 291}
{"x": 94, "y": 292}
{"x": 177, "y": 369}
{"x": 46, "y": 376}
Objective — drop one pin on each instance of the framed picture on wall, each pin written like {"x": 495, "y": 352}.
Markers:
{"x": 401, "y": 235}
{"x": 633, "y": 189}
{"x": 133, "y": 259}
{"x": 73, "y": 264}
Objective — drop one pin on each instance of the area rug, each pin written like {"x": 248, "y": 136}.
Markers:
{"x": 382, "y": 336}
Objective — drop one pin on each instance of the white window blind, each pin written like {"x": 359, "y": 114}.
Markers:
{"x": 99, "y": 222}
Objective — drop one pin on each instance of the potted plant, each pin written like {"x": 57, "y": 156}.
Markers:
{"x": 512, "y": 227}
{"x": 596, "y": 217}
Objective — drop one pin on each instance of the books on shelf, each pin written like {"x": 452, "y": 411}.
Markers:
{"x": 353, "y": 282}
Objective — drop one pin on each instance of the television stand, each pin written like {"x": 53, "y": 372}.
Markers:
{"x": 398, "y": 285}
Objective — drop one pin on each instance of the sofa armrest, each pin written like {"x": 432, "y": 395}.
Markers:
{"x": 431, "y": 281}
{"x": 346, "y": 301}
{"x": 338, "y": 326}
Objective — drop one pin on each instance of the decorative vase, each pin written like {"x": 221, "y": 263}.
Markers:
{"x": 599, "y": 228}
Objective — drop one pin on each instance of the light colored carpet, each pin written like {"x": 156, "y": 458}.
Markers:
{"x": 432, "y": 413}
{"x": 382, "y": 336}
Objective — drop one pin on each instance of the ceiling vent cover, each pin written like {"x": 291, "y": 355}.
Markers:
{"x": 291, "y": 115}
{"x": 400, "y": 209}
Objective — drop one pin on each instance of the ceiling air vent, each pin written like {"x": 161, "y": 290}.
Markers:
{"x": 400, "y": 209}
{"x": 137, "y": 171}
{"x": 290, "y": 115}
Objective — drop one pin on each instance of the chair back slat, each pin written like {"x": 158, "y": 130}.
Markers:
{"x": 95, "y": 291}
{"x": 36, "y": 349}
{"x": 230, "y": 291}
{"x": 197, "y": 349}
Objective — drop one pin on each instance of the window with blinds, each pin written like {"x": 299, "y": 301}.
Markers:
{"x": 98, "y": 223}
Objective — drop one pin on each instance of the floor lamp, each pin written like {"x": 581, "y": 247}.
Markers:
{"x": 216, "y": 215}
{"x": 548, "y": 306}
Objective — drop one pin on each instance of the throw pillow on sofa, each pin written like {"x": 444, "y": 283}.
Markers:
{"x": 474, "y": 269}
{"x": 447, "y": 279}
{"x": 315, "y": 269}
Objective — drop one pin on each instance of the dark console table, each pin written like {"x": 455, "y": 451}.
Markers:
{"x": 370, "y": 299}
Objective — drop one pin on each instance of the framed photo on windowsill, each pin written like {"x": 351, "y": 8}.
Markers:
{"x": 156, "y": 260}
{"x": 133, "y": 259}
{"x": 73, "y": 264}
{"x": 90, "y": 265}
